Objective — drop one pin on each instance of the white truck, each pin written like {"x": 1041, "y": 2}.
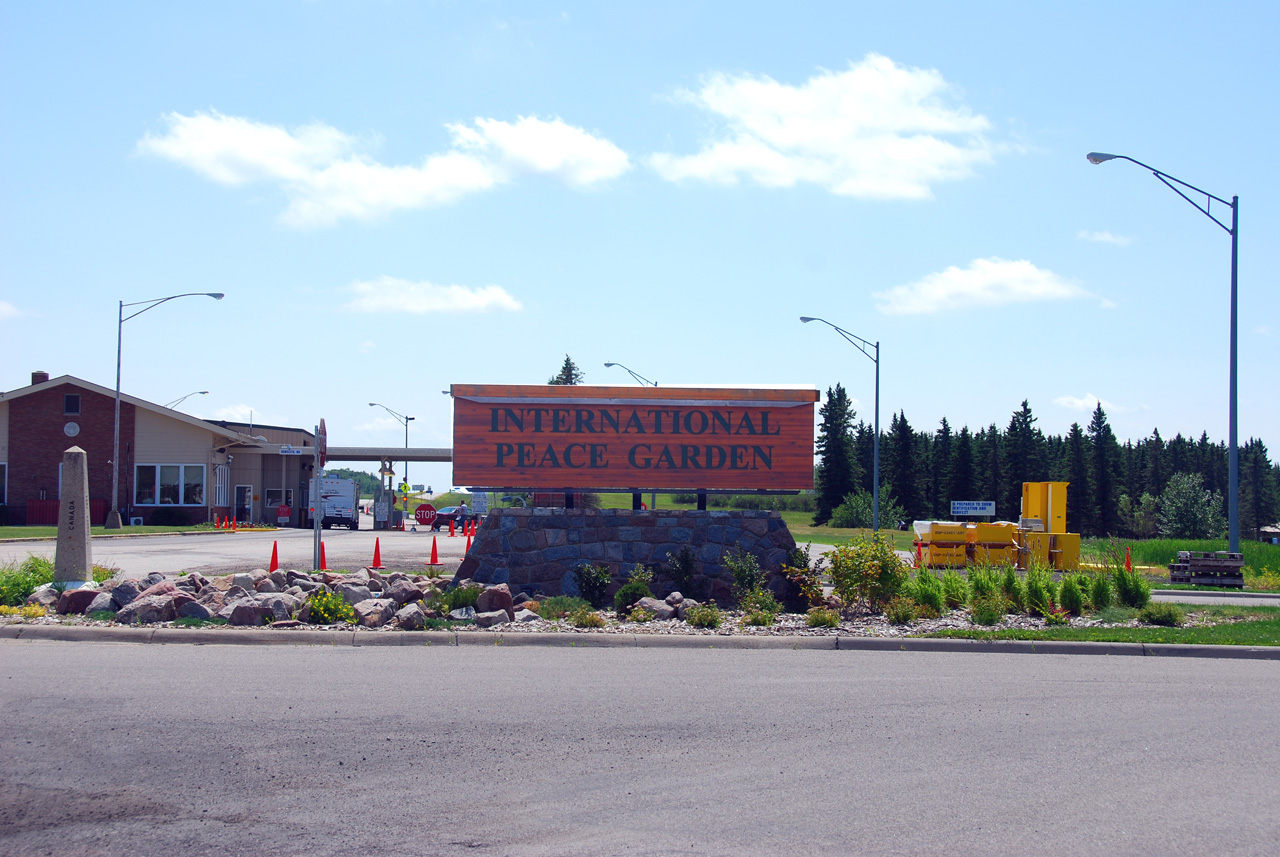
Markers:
{"x": 338, "y": 501}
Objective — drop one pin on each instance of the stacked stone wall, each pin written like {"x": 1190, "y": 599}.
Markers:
{"x": 536, "y": 550}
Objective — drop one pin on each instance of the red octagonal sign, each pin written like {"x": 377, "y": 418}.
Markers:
{"x": 425, "y": 514}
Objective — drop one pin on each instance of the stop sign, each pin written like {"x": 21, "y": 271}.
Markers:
{"x": 425, "y": 514}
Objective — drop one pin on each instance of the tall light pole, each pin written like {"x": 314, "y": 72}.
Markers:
{"x": 402, "y": 418}
{"x": 639, "y": 378}
{"x": 1233, "y": 454}
{"x": 862, "y": 345}
{"x": 113, "y": 517}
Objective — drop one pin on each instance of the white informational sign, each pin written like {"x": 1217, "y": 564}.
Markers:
{"x": 381, "y": 510}
{"x": 480, "y": 503}
{"x": 960, "y": 508}
{"x": 290, "y": 450}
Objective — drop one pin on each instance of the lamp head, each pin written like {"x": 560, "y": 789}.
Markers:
{"x": 610, "y": 364}
{"x": 1099, "y": 157}
{"x": 217, "y": 296}
{"x": 373, "y": 404}
{"x": 806, "y": 319}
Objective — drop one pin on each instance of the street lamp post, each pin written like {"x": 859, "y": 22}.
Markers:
{"x": 404, "y": 419}
{"x": 640, "y": 379}
{"x": 113, "y": 517}
{"x": 1233, "y": 455}
{"x": 862, "y": 345}
{"x": 179, "y": 401}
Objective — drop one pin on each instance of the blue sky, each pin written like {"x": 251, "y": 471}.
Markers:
{"x": 399, "y": 196}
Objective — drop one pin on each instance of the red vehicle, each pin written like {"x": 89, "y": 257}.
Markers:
{"x": 450, "y": 513}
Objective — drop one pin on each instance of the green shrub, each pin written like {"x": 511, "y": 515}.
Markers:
{"x": 1040, "y": 591}
{"x": 1100, "y": 592}
{"x": 1168, "y": 615}
{"x": 822, "y": 617}
{"x": 955, "y": 590}
{"x": 458, "y": 597}
{"x": 748, "y": 576}
{"x": 585, "y": 617}
{"x": 989, "y": 609}
{"x": 901, "y": 611}
{"x": 704, "y": 616}
{"x": 636, "y": 587}
{"x": 1057, "y": 617}
{"x": 1014, "y": 592}
{"x": 17, "y": 583}
{"x": 639, "y": 614}
{"x": 593, "y": 581}
{"x": 1116, "y": 615}
{"x": 867, "y": 573}
{"x": 330, "y": 608}
{"x": 983, "y": 582}
{"x": 927, "y": 592}
{"x": 1131, "y": 589}
{"x": 762, "y": 618}
{"x": 760, "y": 600}
{"x": 681, "y": 568}
{"x": 559, "y": 606}
{"x": 1071, "y": 597}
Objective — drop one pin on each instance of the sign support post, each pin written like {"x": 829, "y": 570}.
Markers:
{"x": 317, "y": 511}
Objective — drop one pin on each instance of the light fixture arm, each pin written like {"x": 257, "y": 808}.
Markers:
{"x": 640, "y": 379}
{"x": 1098, "y": 158}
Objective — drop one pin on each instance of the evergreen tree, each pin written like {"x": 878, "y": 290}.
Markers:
{"x": 939, "y": 465}
{"x": 1104, "y": 473}
{"x": 837, "y": 471}
{"x": 960, "y": 474}
{"x": 568, "y": 376}
{"x": 902, "y": 469}
{"x": 1178, "y": 457}
{"x": 1080, "y": 491}
{"x": 864, "y": 437}
{"x": 1259, "y": 490}
{"x": 1155, "y": 475}
{"x": 1024, "y": 459}
{"x": 989, "y": 471}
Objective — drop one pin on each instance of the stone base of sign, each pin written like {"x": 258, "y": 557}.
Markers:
{"x": 536, "y": 550}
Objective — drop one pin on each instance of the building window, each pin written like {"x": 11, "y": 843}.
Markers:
{"x": 169, "y": 485}
{"x": 274, "y": 495}
{"x": 71, "y": 403}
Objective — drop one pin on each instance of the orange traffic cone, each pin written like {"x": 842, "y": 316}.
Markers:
{"x": 323, "y": 565}
{"x": 451, "y": 527}
{"x": 233, "y": 525}
{"x": 275, "y": 559}
{"x": 435, "y": 557}
{"x": 377, "y": 554}
{"x": 467, "y": 549}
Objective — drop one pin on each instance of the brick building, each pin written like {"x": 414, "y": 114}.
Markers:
{"x": 175, "y": 468}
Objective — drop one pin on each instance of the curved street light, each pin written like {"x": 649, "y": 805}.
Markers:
{"x": 862, "y": 345}
{"x": 113, "y": 517}
{"x": 404, "y": 419}
{"x": 639, "y": 378}
{"x": 177, "y": 402}
{"x": 1233, "y": 454}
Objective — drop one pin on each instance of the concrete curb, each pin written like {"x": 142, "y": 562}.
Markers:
{"x": 258, "y": 637}
{"x": 1226, "y": 593}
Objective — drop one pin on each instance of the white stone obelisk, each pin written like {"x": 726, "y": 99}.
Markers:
{"x": 73, "y": 560}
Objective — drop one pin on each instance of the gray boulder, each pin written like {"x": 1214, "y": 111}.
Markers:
{"x": 244, "y": 581}
{"x": 101, "y": 603}
{"x": 246, "y": 613}
{"x": 527, "y": 616}
{"x": 659, "y": 609}
{"x": 374, "y": 612}
{"x": 491, "y": 618}
{"x": 279, "y": 578}
{"x": 674, "y": 599}
{"x": 402, "y": 592}
{"x": 410, "y": 617}
{"x": 684, "y": 607}
{"x": 281, "y": 604}
{"x": 194, "y": 610}
{"x": 153, "y": 578}
{"x": 353, "y": 593}
{"x": 496, "y": 598}
{"x": 462, "y": 614}
{"x": 268, "y": 585}
{"x": 46, "y": 596}
{"x": 148, "y": 609}
{"x": 125, "y": 592}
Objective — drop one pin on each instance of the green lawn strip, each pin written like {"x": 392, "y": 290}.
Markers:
{"x": 1254, "y": 626}
{"x": 52, "y": 532}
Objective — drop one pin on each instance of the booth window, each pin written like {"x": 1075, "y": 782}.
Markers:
{"x": 169, "y": 485}
{"x": 71, "y": 403}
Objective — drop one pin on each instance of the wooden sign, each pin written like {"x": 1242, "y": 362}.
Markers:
{"x": 638, "y": 438}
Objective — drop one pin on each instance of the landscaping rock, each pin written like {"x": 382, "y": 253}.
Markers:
{"x": 684, "y": 607}
{"x": 45, "y": 596}
{"x": 148, "y": 609}
{"x": 268, "y": 585}
{"x": 279, "y": 578}
{"x": 527, "y": 616}
{"x": 76, "y": 600}
{"x": 304, "y": 612}
{"x": 520, "y": 598}
{"x": 101, "y": 603}
{"x": 491, "y": 618}
{"x": 281, "y": 605}
{"x": 360, "y": 578}
{"x": 374, "y": 612}
{"x": 153, "y": 578}
{"x": 462, "y": 613}
{"x": 353, "y": 593}
{"x": 674, "y": 599}
{"x": 659, "y": 609}
{"x": 375, "y": 585}
{"x": 410, "y": 617}
{"x": 125, "y": 592}
{"x": 194, "y": 610}
{"x": 402, "y": 592}
{"x": 244, "y": 581}
{"x": 180, "y": 599}
{"x": 198, "y": 579}
{"x": 246, "y": 613}
{"x": 286, "y": 623}
{"x": 496, "y": 598}
{"x": 163, "y": 587}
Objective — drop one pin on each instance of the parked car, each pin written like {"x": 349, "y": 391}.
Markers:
{"x": 450, "y": 513}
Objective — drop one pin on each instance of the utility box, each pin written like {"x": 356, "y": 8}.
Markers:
{"x": 1046, "y": 501}
{"x": 1064, "y": 551}
{"x": 942, "y": 543}
{"x": 1035, "y": 550}
{"x": 993, "y": 544}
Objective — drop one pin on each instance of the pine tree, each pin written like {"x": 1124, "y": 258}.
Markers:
{"x": 901, "y": 467}
{"x": 1024, "y": 456}
{"x": 1080, "y": 491}
{"x": 1104, "y": 474}
{"x": 568, "y": 376}
{"x": 836, "y": 475}
{"x": 1156, "y": 477}
{"x": 989, "y": 471}
{"x": 939, "y": 466}
{"x": 1259, "y": 490}
{"x": 960, "y": 475}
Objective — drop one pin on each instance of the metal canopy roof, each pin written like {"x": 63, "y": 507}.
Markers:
{"x": 384, "y": 453}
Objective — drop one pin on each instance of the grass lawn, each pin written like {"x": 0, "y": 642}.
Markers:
{"x": 51, "y": 532}
{"x": 1240, "y": 626}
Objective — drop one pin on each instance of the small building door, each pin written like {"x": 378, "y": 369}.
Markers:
{"x": 244, "y": 503}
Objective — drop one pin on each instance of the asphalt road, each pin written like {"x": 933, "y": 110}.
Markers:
{"x": 177, "y": 750}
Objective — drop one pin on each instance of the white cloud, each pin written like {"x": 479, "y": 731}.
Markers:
{"x": 8, "y": 311}
{"x": 382, "y": 424}
{"x": 876, "y": 130}
{"x": 984, "y": 283}
{"x": 241, "y": 414}
{"x": 1261, "y": 330}
{"x": 1087, "y": 403}
{"x": 326, "y": 178}
{"x": 1104, "y": 237}
{"x": 390, "y": 294}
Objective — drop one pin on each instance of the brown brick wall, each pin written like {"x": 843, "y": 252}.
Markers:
{"x": 37, "y": 442}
